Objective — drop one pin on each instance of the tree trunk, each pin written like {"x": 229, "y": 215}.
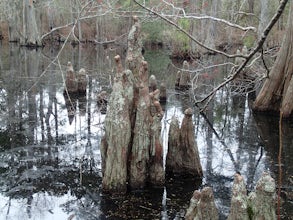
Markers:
{"x": 131, "y": 149}
{"x": 277, "y": 91}
{"x": 262, "y": 201}
{"x": 14, "y": 21}
{"x": 194, "y": 27}
{"x": 251, "y": 6}
{"x": 30, "y": 35}
{"x": 115, "y": 143}
{"x": 141, "y": 138}
{"x": 264, "y": 17}
{"x": 79, "y": 24}
{"x": 183, "y": 157}
{"x": 239, "y": 200}
{"x": 202, "y": 205}
{"x": 211, "y": 33}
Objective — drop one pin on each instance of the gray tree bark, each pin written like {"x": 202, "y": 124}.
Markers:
{"x": 211, "y": 33}
{"x": 239, "y": 201}
{"x": 115, "y": 143}
{"x": 141, "y": 138}
{"x": 183, "y": 157}
{"x": 262, "y": 202}
{"x": 259, "y": 205}
{"x": 30, "y": 35}
{"x": 131, "y": 148}
{"x": 277, "y": 91}
{"x": 264, "y": 17}
{"x": 202, "y": 206}
{"x": 14, "y": 21}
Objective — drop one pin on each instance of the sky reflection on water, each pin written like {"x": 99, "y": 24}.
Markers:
{"x": 50, "y": 168}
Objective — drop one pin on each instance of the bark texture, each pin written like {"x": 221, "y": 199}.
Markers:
{"x": 174, "y": 158}
{"x": 141, "y": 139}
{"x": 183, "y": 157}
{"x": 259, "y": 205}
{"x": 183, "y": 81}
{"x": 115, "y": 143}
{"x": 191, "y": 212}
{"x": 276, "y": 93}
{"x": 191, "y": 161}
{"x": 239, "y": 201}
{"x": 202, "y": 206}
{"x": 30, "y": 36}
{"x": 262, "y": 202}
{"x": 71, "y": 81}
{"x": 157, "y": 173}
{"x": 134, "y": 56}
{"x": 131, "y": 149}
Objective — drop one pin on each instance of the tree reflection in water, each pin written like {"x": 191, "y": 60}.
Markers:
{"x": 49, "y": 146}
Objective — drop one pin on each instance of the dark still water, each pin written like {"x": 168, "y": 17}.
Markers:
{"x": 50, "y": 165}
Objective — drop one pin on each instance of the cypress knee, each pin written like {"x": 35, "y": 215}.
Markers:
{"x": 183, "y": 157}
{"x": 141, "y": 137}
{"x": 239, "y": 201}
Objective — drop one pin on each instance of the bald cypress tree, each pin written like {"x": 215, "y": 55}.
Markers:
{"x": 277, "y": 91}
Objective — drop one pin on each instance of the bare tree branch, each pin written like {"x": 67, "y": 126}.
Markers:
{"x": 207, "y": 17}
{"x": 253, "y": 52}
{"x": 80, "y": 18}
{"x": 258, "y": 46}
{"x": 265, "y": 65}
{"x": 57, "y": 56}
{"x": 222, "y": 21}
{"x": 189, "y": 35}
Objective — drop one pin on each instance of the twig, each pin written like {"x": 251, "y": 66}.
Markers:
{"x": 253, "y": 52}
{"x": 208, "y": 17}
{"x": 259, "y": 45}
{"x": 57, "y": 56}
{"x": 264, "y": 63}
{"x": 189, "y": 35}
{"x": 110, "y": 41}
{"x": 219, "y": 20}
{"x": 72, "y": 23}
{"x": 227, "y": 149}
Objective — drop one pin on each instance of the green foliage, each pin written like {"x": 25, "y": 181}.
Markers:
{"x": 182, "y": 39}
{"x": 158, "y": 62}
{"x": 153, "y": 31}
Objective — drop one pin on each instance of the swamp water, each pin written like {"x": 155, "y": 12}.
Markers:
{"x": 50, "y": 165}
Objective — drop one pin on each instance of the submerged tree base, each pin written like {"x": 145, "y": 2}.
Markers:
{"x": 132, "y": 152}
{"x": 259, "y": 204}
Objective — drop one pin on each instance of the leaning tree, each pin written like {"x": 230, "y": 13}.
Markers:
{"x": 277, "y": 91}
